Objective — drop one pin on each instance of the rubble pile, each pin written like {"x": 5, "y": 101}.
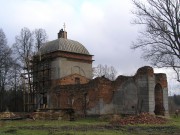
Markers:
{"x": 9, "y": 116}
{"x": 143, "y": 118}
{"x": 46, "y": 116}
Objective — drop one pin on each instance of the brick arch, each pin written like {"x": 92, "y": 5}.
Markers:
{"x": 159, "y": 107}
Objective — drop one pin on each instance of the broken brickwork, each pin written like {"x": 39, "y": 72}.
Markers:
{"x": 143, "y": 92}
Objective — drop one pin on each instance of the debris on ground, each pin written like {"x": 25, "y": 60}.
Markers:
{"x": 7, "y": 115}
{"x": 143, "y": 118}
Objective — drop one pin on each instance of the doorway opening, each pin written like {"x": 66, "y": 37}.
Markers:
{"x": 159, "y": 107}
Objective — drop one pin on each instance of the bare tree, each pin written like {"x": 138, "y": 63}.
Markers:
{"x": 108, "y": 72}
{"x": 160, "y": 41}
{"x": 5, "y": 65}
{"x": 15, "y": 83}
{"x": 24, "y": 48}
{"x": 40, "y": 37}
{"x": 11, "y": 66}
{"x": 5, "y": 51}
{"x": 113, "y": 73}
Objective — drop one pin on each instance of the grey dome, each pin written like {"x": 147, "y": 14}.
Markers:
{"x": 63, "y": 44}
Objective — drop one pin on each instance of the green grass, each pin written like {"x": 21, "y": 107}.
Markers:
{"x": 89, "y": 126}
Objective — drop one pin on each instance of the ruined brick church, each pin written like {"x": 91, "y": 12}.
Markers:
{"x": 63, "y": 79}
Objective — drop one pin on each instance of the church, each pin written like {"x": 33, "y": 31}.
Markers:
{"x": 62, "y": 78}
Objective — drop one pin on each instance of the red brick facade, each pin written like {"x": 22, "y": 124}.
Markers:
{"x": 88, "y": 95}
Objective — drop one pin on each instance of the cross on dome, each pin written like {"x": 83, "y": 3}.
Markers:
{"x": 64, "y": 27}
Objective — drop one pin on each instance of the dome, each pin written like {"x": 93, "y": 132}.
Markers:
{"x": 63, "y": 44}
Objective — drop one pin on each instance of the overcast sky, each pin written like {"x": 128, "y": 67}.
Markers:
{"x": 102, "y": 26}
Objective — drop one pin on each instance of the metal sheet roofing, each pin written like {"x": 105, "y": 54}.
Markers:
{"x": 63, "y": 44}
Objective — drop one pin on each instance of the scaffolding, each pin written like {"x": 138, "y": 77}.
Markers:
{"x": 40, "y": 75}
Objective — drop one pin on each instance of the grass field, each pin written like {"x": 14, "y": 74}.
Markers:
{"x": 89, "y": 126}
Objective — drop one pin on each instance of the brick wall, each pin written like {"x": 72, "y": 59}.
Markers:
{"x": 71, "y": 79}
{"x": 100, "y": 95}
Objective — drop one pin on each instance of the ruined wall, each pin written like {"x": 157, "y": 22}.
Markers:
{"x": 162, "y": 80}
{"x": 105, "y": 96}
{"x": 92, "y": 98}
{"x": 125, "y": 95}
{"x": 81, "y": 97}
{"x": 144, "y": 81}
